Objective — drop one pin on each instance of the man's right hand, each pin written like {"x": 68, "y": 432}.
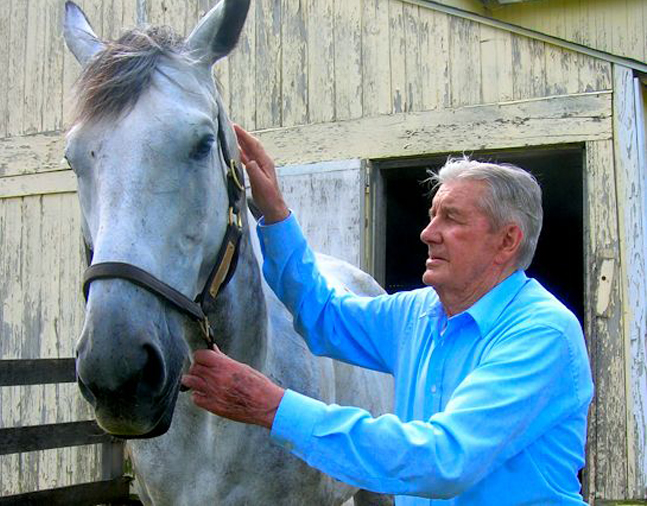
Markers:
{"x": 262, "y": 177}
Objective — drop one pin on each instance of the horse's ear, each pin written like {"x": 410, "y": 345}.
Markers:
{"x": 79, "y": 36}
{"x": 217, "y": 32}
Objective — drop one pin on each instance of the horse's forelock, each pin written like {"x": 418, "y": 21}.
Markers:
{"x": 116, "y": 77}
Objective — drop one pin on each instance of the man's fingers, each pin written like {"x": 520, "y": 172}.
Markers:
{"x": 194, "y": 383}
{"x": 206, "y": 356}
{"x": 252, "y": 149}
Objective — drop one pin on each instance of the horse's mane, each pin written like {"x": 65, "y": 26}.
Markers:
{"x": 116, "y": 77}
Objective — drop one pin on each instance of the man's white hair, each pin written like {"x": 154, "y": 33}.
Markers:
{"x": 514, "y": 196}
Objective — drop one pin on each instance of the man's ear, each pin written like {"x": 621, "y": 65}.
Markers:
{"x": 510, "y": 241}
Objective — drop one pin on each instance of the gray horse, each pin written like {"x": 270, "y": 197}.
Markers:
{"x": 160, "y": 192}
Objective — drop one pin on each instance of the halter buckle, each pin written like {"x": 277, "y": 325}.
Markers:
{"x": 235, "y": 219}
{"x": 234, "y": 175}
{"x": 206, "y": 332}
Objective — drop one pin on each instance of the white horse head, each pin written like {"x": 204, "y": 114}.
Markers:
{"x": 153, "y": 192}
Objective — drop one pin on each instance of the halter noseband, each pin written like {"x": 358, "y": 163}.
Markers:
{"x": 223, "y": 270}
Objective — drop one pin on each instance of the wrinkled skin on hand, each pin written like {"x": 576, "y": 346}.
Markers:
{"x": 231, "y": 389}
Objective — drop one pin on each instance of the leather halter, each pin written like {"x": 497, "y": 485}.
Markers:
{"x": 220, "y": 275}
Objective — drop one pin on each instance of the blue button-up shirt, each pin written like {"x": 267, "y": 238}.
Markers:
{"x": 490, "y": 404}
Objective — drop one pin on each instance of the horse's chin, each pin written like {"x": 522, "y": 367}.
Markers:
{"x": 148, "y": 423}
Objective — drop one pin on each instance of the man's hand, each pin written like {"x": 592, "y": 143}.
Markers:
{"x": 262, "y": 177}
{"x": 232, "y": 390}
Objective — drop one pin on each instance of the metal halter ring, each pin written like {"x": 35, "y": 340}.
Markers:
{"x": 234, "y": 174}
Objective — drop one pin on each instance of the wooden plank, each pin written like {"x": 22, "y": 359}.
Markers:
{"x": 397, "y": 58}
{"x": 464, "y": 62}
{"x": 52, "y": 108}
{"x": 562, "y": 71}
{"x": 413, "y": 59}
{"x": 48, "y": 272}
{"x": 129, "y": 16}
{"x": 31, "y": 406}
{"x": 434, "y": 49}
{"x": 551, "y": 120}
{"x": 115, "y": 491}
{"x": 63, "y": 181}
{"x": 32, "y": 154}
{"x": 606, "y": 468}
{"x": 268, "y": 63}
{"x": 529, "y": 63}
{"x": 376, "y": 73}
{"x": 16, "y": 67}
{"x": 242, "y": 68}
{"x": 176, "y": 14}
{"x": 496, "y": 65}
{"x": 11, "y": 328}
{"x": 294, "y": 79}
{"x": 48, "y": 436}
{"x": 37, "y": 371}
{"x": 321, "y": 63}
{"x": 5, "y": 24}
{"x": 594, "y": 74}
{"x": 631, "y": 184}
{"x": 348, "y": 59}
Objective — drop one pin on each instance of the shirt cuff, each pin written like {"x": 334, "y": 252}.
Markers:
{"x": 294, "y": 421}
{"x": 276, "y": 236}
{"x": 261, "y": 221}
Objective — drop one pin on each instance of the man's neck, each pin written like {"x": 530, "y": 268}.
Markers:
{"x": 455, "y": 303}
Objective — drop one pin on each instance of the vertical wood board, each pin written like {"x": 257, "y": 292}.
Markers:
{"x": 632, "y": 215}
{"x": 348, "y": 59}
{"x": 607, "y": 451}
{"x": 376, "y": 74}
{"x": 321, "y": 62}
{"x": 294, "y": 80}
{"x": 268, "y": 64}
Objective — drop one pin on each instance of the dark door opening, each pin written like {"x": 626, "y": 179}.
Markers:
{"x": 559, "y": 260}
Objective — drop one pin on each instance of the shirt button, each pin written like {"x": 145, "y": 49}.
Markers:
{"x": 433, "y": 389}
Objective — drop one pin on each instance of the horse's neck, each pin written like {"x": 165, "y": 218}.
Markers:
{"x": 239, "y": 315}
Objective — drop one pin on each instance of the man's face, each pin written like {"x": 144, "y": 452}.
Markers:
{"x": 462, "y": 245}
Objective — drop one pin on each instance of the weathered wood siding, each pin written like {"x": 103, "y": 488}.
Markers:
{"x": 631, "y": 181}
{"x": 322, "y": 81}
{"x": 336, "y": 187}
{"x": 616, "y": 27}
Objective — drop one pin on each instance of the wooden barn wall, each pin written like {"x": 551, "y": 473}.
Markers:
{"x": 319, "y": 81}
{"x": 617, "y": 27}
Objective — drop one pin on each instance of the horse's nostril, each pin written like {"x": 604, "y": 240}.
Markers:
{"x": 153, "y": 374}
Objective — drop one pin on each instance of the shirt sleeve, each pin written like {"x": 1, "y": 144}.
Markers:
{"x": 525, "y": 385}
{"x": 359, "y": 330}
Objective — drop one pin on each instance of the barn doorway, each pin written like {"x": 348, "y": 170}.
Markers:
{"x": 401, "y": 201}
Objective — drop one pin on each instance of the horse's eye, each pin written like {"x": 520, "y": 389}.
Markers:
{"x": 203, "y": 147}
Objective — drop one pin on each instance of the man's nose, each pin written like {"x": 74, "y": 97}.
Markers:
{"x": 429, "y": 234}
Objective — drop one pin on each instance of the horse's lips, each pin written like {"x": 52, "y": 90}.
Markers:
{"x": 126, "y": 428}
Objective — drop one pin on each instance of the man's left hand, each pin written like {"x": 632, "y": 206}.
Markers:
{"x": 231, "y": 389}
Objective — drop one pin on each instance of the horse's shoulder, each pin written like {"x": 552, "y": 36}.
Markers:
{"x": 346, "y": 276}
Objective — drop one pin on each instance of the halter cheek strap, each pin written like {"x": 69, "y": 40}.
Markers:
{"x": 221, "y": 273}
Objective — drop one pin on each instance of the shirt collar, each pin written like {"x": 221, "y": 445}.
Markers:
{"x": 487, "y": 309}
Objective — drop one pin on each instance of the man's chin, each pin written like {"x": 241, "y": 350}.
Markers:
{"x": 428, "y": 278}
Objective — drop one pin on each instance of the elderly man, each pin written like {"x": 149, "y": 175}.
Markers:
{"x": 492, "y": 378}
